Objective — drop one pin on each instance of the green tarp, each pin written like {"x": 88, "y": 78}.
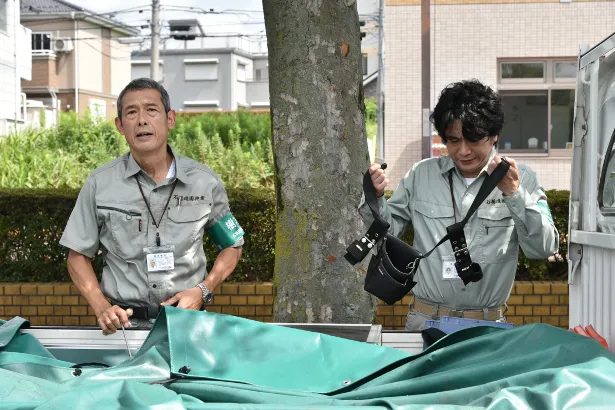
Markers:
{"x": 200, "y": 360}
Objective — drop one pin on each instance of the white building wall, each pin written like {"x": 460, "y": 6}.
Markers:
{"x": 90, "y": 57}
{"x": 466, "y": 42}
{"x": 9, "y": 76}
{"x": 120, "y": 66}
{"x": 15, "y": 65}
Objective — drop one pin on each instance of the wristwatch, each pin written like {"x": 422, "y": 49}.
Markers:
{"x": 208, "y": 295}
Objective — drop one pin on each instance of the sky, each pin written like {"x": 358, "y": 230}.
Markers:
{"x": 230, "y": 16}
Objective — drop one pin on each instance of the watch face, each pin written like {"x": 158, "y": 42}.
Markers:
{"x": 208, "y": 297}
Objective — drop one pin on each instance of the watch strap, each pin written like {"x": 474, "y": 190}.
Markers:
{"x": 207, "y": 294}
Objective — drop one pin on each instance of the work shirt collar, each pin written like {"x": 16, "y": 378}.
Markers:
{"x": 447, "y": 163}
{"x": 132, "y": 168}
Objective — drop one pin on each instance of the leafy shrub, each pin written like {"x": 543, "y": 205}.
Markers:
{"x": 237, "y": 146}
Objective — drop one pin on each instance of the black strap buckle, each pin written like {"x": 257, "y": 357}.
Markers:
{"x": 358, "y": 250}
{"x": 467, "y": 270}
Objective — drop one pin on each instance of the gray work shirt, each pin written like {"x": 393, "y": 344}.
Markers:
{"x": 493, "y": 233}
{"x": 111, "y": 212}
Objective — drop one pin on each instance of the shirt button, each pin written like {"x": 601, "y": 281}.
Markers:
{"x": 154, "y": 286}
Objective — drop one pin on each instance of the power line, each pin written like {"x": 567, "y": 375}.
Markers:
{"x": 147, "y": 36}
{"x": 119, "y": 24}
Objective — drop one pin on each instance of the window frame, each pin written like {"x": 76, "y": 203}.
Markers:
{"x": 502, "y": 80}
{"x": 201, "y": 62}
{"x": 564, "y": 80}
{"x": 245, "y": 72}
{"x": 548, "y": 83}
{"x": 43, "y": 50}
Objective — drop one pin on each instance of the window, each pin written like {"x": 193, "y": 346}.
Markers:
{"x": 3, "y": 13}
{"x": 538, "y": 100}
{"x": 201, "y": 105}
{"x": 261, "y": 74}
{"x": 41, "y": 42}
{"x": 201, "y": 69}
{"x": 241, "y": 72}
{"x": 523, "y": 70}
{"x": 364, "y": 64}
{"x": 525, "y": 121}
{"x": 98, "y": 109}
{"x": 562, "y": 117}
{"x": 565, "y": 69}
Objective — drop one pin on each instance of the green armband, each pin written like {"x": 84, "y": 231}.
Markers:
{"x": 544, "y": 209}
{"x": 226, "y": 231}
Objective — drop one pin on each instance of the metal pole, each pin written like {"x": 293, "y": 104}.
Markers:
{"x": 380, "y": 113}
{"x": 76, "y": 63}
{"x": 425, "y": 77}
{"x": 155, "y": 40}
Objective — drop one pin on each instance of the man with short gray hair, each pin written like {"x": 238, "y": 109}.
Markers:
{"x": 149, "y": 210}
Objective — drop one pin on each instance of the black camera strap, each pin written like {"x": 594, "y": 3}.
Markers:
{"x": 357, "y": 251}
{"x": 466, "y": 269}
{"x": 379, "y": 228}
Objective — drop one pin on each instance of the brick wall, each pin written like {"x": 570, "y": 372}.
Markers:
{"x": 60, "y": 304}
{"x": 529, "y": 302}
{"x": 43, "y": 73}
{"x": 55, "y": 304}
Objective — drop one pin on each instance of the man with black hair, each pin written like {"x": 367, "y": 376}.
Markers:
{"x": 149, "y": 209}
{"x": 437, "y": 192}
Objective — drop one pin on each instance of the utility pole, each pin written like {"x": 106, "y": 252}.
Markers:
{"x": 425, "y": 77}
{"x": 380, "y": 113}
{"x": 155, "y": 40}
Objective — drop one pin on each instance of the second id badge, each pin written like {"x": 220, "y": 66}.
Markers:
{"x": 160, "y": 258}
{"x": 449, "y": 271}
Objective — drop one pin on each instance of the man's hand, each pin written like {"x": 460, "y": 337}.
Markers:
{"x": 379, "y": 179}
{"x": 191, "y": 299}
{"x": 112, "y": 318}
{"x": 510, "y": 183}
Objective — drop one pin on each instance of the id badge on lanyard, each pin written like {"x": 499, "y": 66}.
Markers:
{"x": 449, "y": 271}
{"x": 160, "y": 258}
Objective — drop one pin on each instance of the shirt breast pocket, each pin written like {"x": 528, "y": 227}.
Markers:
{"x": 122, "y": 232}
{"x": 434, "y": 211}
{"x": 432, "y": 220}
{"x": 186, "y": 223}
{"x": 497, "y": 229}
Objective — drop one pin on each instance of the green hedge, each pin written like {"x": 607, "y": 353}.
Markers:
{"x": 32, "y": 221}
{"x": 31, "y": 224}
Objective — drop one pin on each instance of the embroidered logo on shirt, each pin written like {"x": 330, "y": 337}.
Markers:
{"x": 494, "y": 201}
{"x": 188, "y": 198}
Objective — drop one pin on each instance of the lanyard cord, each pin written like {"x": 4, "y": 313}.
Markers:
{"x": 150, "y": 210}
{"x": 450, "y": 183}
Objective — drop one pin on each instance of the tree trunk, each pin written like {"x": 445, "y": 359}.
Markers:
{"x": 316, "y": 94}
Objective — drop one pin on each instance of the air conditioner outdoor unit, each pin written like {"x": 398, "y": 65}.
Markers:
{"x": 62, "y": 45}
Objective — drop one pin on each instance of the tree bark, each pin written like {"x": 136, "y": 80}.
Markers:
{"x": 320, "y": 150}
